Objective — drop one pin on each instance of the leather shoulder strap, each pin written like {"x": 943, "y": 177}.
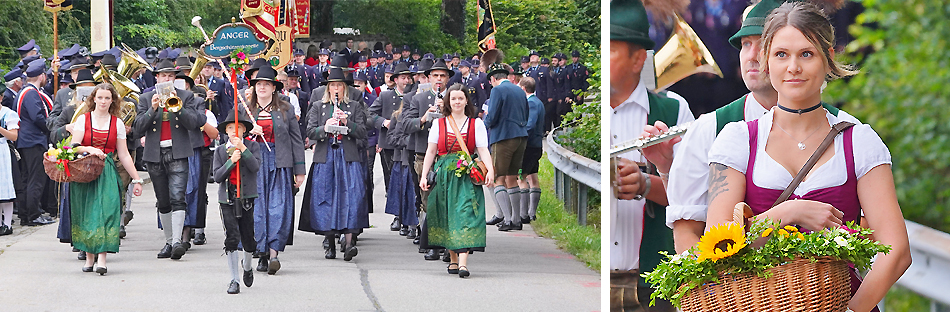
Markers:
{"x": 829, "y": 139}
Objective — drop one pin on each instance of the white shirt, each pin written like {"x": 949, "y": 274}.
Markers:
{"x": 481, "y": 135}
{"x": 211, "y": 119}
{"x": 9, "y": 120}
{"x": 626, "y": 216}
{"x": 295, "y": 102}
{"x": 689, "y": 175}
{"x": 732, "y": 149}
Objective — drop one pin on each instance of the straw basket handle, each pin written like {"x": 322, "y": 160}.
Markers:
{"x": 741, "y": 213}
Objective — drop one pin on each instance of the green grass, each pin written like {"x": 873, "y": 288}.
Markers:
{"x": 900, "y": 299}
{"x": 554, "y": 222}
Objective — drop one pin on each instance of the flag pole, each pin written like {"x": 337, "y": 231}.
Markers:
{"x": 237, "y": 166}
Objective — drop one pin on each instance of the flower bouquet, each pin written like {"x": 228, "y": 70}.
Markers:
{"x": 63, "y": 164}
{"x": 792, "y": 271}
{"x": 238, "y": 60}
{"x": 475, "y": 169}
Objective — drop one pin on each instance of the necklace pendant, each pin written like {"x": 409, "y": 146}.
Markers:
{"x": 801, "y": 146}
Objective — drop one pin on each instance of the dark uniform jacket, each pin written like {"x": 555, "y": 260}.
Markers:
{"x": 33, "y": 108}
{"x": 148, "y": 123}
{"x": 382, "y": 110}
{"x": 250, "y": 163}
{"x": 419, "y": 131}
{"x": 507, "y": 116}
{"x": 288, "y": 142}
{"x": 318, "y": 115}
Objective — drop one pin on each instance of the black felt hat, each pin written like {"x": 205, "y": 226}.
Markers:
{"x": 267, "y": 73}
{"x": 440, "y": 65}
{"x": 242, "y": 118}
{"x": 165, "y": 66}
{"x": 84, "y": 76}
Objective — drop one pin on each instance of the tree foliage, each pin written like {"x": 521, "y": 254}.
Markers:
{"x": 901, "y": 92}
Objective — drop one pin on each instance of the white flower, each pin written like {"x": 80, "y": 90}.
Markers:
{"x": 841, "y": 241}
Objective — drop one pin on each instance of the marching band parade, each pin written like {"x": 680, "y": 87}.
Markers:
{"x": 170, "y": 112}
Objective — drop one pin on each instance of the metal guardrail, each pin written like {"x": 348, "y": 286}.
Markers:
{"x": 573, "y": 174}
{"x": 929, "y": 274}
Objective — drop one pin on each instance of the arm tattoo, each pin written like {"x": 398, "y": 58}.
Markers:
{"x": 717, "y": 181}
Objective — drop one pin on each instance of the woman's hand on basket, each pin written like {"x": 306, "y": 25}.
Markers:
{"x": 96, "y": 152}
{"x": 812, "y": 215}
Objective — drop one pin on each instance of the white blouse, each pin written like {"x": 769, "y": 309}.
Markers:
{"x": 481, "y": 135}
{"x": 731, "y": 148}
{"x": 79, "y": 127}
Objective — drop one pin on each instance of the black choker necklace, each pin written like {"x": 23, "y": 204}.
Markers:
{"x": 799, "y": 111}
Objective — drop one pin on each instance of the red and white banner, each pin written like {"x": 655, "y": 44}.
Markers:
{"x": 303, "y": 19}
{"x": 261, "y": 15}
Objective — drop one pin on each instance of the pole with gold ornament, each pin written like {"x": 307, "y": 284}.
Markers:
{"x": 54, "y": 6}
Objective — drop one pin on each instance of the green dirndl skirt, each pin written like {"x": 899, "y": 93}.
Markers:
{"x": 455, "y": 209}
{"x": 95, "y": 209}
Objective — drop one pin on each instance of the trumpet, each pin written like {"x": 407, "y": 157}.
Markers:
{"x": 168, "y": 98}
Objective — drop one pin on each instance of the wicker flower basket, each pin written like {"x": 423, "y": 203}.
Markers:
{"x": 82, "y": 170}
{"x": 803, "y": 285}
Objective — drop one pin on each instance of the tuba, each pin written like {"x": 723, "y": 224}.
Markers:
{"x": 125, "y": 88}
{"x": 682, "y": 56}
{"x": 490, "y": 57}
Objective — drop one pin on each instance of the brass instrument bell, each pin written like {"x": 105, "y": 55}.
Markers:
{"x": 682, "y": 56}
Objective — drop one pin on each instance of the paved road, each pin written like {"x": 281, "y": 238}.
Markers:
{"x": 519, "y": 272}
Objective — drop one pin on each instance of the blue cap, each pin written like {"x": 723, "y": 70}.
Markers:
{"x": 428, "y": 56}
{"x": 36, "y": 68}
{"x": 388, "y": 69}
{"x": 13, "y": 74}
{"x": 525, "y": 59}
{"x": 67, "y": 53}
{"x": 26, "y": 61}
{"x": 465, "y": 63}
{"x": 99, "y": 54}
{"x": 414, "y": 69}
{"x": 324, "y": 52}
{"x": 576, "y": 53}
{"x": 298, "y": 51}
{"x": 389, "y": 56}
{"x": 362, "y": 58}
{"x": 545, "y": 61}
{"x": 64, "y": 65}
{"x": 533, "y": 52}
{"x": 163, "y": 54}
{"x": 447, "y": 57}
{"x": 405, "y": 47}
{"x": 292, "y": 70}
{"x": 173, "y": 54}
{"x": 29, "y": 46}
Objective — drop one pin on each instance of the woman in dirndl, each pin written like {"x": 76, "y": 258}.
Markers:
{"x": 282, "y": 167}
{"x": 96, "y": 206}
{"x": 456, "y": 206}
{"x": 335, "y": 193}
{"x": 9, "y": 127}
{"x": 755, "y": 161}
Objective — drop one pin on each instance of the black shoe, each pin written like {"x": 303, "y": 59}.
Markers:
{"x": 463, "y": 273}
{"x": 87, "y": 269}
{"x": 178, "y": 250}
{"x": 422, "y": 250}
{"x": 75, "y": 249}
{"x": 82, "y": 256}
{"x": 395, "y": 225}
{"x": 517, "y": 226}
{"x": 494, "y": 220}
{"x": 234, "y": 288}
{"x": 273, "y": 266}
{"x": 526, "y": 220}
{"x": 507, "y": 226}
{"x": 412, "y": 233}
{"x": 404, "y": 231}
{"x": 262, "y": 264}
{"x": 187, "y": 245}
{"x": 451, "y": 270}
{"x": 350, "y": 252}
{"x": 248, "y": 278}
{"x": 416, "y": 240}
{"x": 127, "y": 217}
{"x": 534, "y": 218}
{"x": 326, "y": 243}
{"x": 5, "y": 230}
{"x": 446, "y": 257}
{"x": 102, "y": 270}
{"x": 200, "y": 239}
{"x": 166, "y": 252}
{"x": 330, "y": 252}
{"x": 38, "y": 221}
{"x": 122, "y": 232}
{"x": 256, "y": 254}
{"x": 432, "y": 255}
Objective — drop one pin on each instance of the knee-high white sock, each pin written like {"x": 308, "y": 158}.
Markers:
{"x": 498, "y": 212}
{"x": 177, "y": 224}
{"x": 248, "y": 260}
{"x": 503, "y": 202}
{"x": 6, "y": 212}
{"x": 535, "y": 194}
{"x": 514, "y": 195}
{"x": 524, "y": 203}
{"x": 234, "y": 266}
{"x": 166, "y": 219}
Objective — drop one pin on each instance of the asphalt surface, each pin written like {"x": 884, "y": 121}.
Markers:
{"x": 518, "y": 272}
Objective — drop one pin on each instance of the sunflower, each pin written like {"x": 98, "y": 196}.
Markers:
{"x": 721, "y": 241}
